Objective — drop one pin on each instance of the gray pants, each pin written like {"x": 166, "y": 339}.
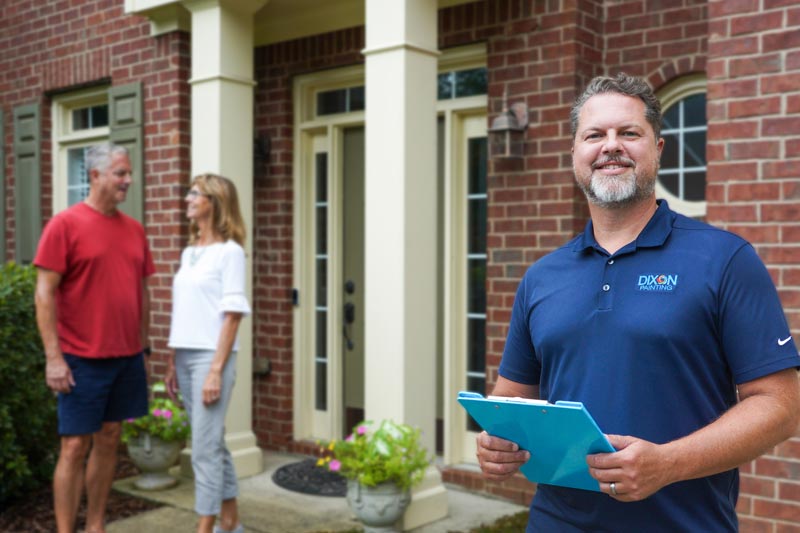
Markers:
{"x": 214, "y": 475}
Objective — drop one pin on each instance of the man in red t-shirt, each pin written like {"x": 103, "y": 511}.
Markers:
{"x": 92, "y": 309}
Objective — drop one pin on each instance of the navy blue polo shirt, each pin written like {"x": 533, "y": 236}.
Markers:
{"x": 653, "y": 340}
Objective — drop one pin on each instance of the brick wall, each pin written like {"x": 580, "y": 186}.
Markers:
{"x": 754, "y": 190}
{"x": 53, "y": 47}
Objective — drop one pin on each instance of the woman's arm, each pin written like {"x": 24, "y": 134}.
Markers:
{"x": 213, "y": 384}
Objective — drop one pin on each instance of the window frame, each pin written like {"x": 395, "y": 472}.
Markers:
{"x": 65, "y": 138}
{"x": 671, "y": 95}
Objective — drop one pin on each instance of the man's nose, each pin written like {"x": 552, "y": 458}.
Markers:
{"x": 612, "y": 144}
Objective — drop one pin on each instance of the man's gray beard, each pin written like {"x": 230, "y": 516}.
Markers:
{"x": 614, "y": 193}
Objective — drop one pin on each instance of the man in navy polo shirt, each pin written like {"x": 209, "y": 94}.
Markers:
{"x": 670, "y": 332}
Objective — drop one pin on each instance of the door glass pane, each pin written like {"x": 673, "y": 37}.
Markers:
{"x": 476, "y": 267}
{"x": 321, "y": 247}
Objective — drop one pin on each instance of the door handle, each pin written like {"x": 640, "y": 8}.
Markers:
{"x": 349, "y": 318}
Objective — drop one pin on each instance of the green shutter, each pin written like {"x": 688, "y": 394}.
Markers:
{"x": 125, "y": 112}
{"x": 27, "y": 182}
{"x": 2, "y": 189}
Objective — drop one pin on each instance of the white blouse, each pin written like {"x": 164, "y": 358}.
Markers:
{"x": 209, "y": 283}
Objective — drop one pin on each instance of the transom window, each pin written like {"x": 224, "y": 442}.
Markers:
{"x": 340, "y": 101}
{"x": 682, "y": 176}
{"x": 462, "y": 83}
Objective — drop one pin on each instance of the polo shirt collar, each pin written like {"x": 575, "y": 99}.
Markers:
{"x": 654, "y": 234}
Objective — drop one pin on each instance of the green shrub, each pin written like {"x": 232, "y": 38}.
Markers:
{"x": 28, "y": 427}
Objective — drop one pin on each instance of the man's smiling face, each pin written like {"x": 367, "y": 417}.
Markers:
{"x": 615, "y": 155}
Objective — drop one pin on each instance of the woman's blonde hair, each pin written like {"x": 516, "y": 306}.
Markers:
{"x": 226, "y": 216}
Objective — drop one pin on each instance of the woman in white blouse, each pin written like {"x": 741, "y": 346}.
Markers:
{"x": 208, "y": 302}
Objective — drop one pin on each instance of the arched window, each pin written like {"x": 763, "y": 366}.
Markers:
{"x": 682, "y": 177}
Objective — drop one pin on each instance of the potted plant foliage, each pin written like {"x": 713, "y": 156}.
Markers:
{"x": 155, "y": 440}
{"x": 381, "y": 465}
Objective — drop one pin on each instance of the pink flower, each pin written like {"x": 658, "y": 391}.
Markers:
{"x": 349, "y": 438}
{"x": 156, "y": 412}
{"x": 166, "y": 413}
{"x": 334, "y": 465}
{"x": 362, "y": 429}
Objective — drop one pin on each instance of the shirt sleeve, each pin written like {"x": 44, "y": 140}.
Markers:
{"x": 53, "y": 246}
{"x": 519, "y": 363}
{"x": 233, "y": 273}
{"x": 755, "y": 335}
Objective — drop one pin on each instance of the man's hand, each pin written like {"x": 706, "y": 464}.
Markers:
{"x": 638, "y": 468}
{"x": 58, "y": 375}
{"x": 499, "y": 458}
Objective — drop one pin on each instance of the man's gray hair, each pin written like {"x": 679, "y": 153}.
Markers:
{"x": 99, "y": 156}
{"x": 625, "y": 85}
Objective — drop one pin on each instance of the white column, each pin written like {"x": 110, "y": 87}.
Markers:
{"x": 222, "y": 142}
{"x": 400, "y": 287}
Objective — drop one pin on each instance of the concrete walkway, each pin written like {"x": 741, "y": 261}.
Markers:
{"x": 267, "y": 508}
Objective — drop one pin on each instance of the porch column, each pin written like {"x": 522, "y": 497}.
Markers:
{"x": 222, "y": 142}
{"x": 400, "y": 197}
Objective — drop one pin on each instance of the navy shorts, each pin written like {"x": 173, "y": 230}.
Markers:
{"x": 106, "y": 390}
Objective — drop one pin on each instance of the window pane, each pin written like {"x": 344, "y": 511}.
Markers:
{"x": 671, "y": 117}
{"x": 694, "y": 186}
{"x": 322, "y": 282}
{"x": 694, "y": 144}
{"x": 330, "y": 102}
{"x": 477, "y": 227}
{"x": 476, "y": 342}
{"x": 694, "y": 111}
{"x": 80, "y": 119}
{"x": 445, "y": 86}
{"x": 356, "y": 99}
{"x": 471, "y": 82}
{"x": 670, "y": 182}
{"x": 669, "y": 156}
{"x": 477, "y": 165}
{"x": 321, "y": 402}
{"x": 477, "y": 285}
{"x": 321, "y": 172}
{"x": 99, "y": 116}
{"x": 77, "y": 179}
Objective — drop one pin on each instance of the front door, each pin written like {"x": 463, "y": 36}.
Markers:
{"x": 330, "y": 304}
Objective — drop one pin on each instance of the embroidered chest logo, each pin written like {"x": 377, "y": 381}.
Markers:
{"x": 657, "y": 282}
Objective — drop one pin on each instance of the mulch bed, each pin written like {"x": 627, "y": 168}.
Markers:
{"x": 306, "y": 477}
{"x": 34, "y": 513}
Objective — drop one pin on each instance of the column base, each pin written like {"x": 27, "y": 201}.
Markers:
{"x": 428, "y": 501}
{"x": 248, "y": 458}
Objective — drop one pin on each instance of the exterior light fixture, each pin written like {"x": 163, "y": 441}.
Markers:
{"x": 507, "y": 133}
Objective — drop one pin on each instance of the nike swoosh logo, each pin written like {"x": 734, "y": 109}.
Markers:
{"x": 781, "y": 342}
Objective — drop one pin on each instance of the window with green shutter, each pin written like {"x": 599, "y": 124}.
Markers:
{"x": 27, "y": 182}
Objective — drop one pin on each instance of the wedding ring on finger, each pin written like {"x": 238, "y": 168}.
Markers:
{"x": 613, "y": 488}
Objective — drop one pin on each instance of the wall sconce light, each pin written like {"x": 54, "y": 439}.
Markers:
{"x": 507, "y": 133}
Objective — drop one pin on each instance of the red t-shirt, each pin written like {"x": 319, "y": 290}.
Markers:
{"x": 102, "y": 260}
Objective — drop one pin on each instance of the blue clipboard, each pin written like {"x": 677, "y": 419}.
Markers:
{"x": 559, "y": 436}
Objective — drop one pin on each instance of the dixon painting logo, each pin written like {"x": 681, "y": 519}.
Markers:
{"x": 658, "y": 282}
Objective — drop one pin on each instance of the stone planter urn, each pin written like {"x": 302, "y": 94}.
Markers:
{"x": 154, "y": 457}
{"x": 379, "y": 507}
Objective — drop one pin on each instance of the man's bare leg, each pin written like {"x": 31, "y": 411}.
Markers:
{"x": 100, "y": 471}
{"x": 68, "y": 480}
